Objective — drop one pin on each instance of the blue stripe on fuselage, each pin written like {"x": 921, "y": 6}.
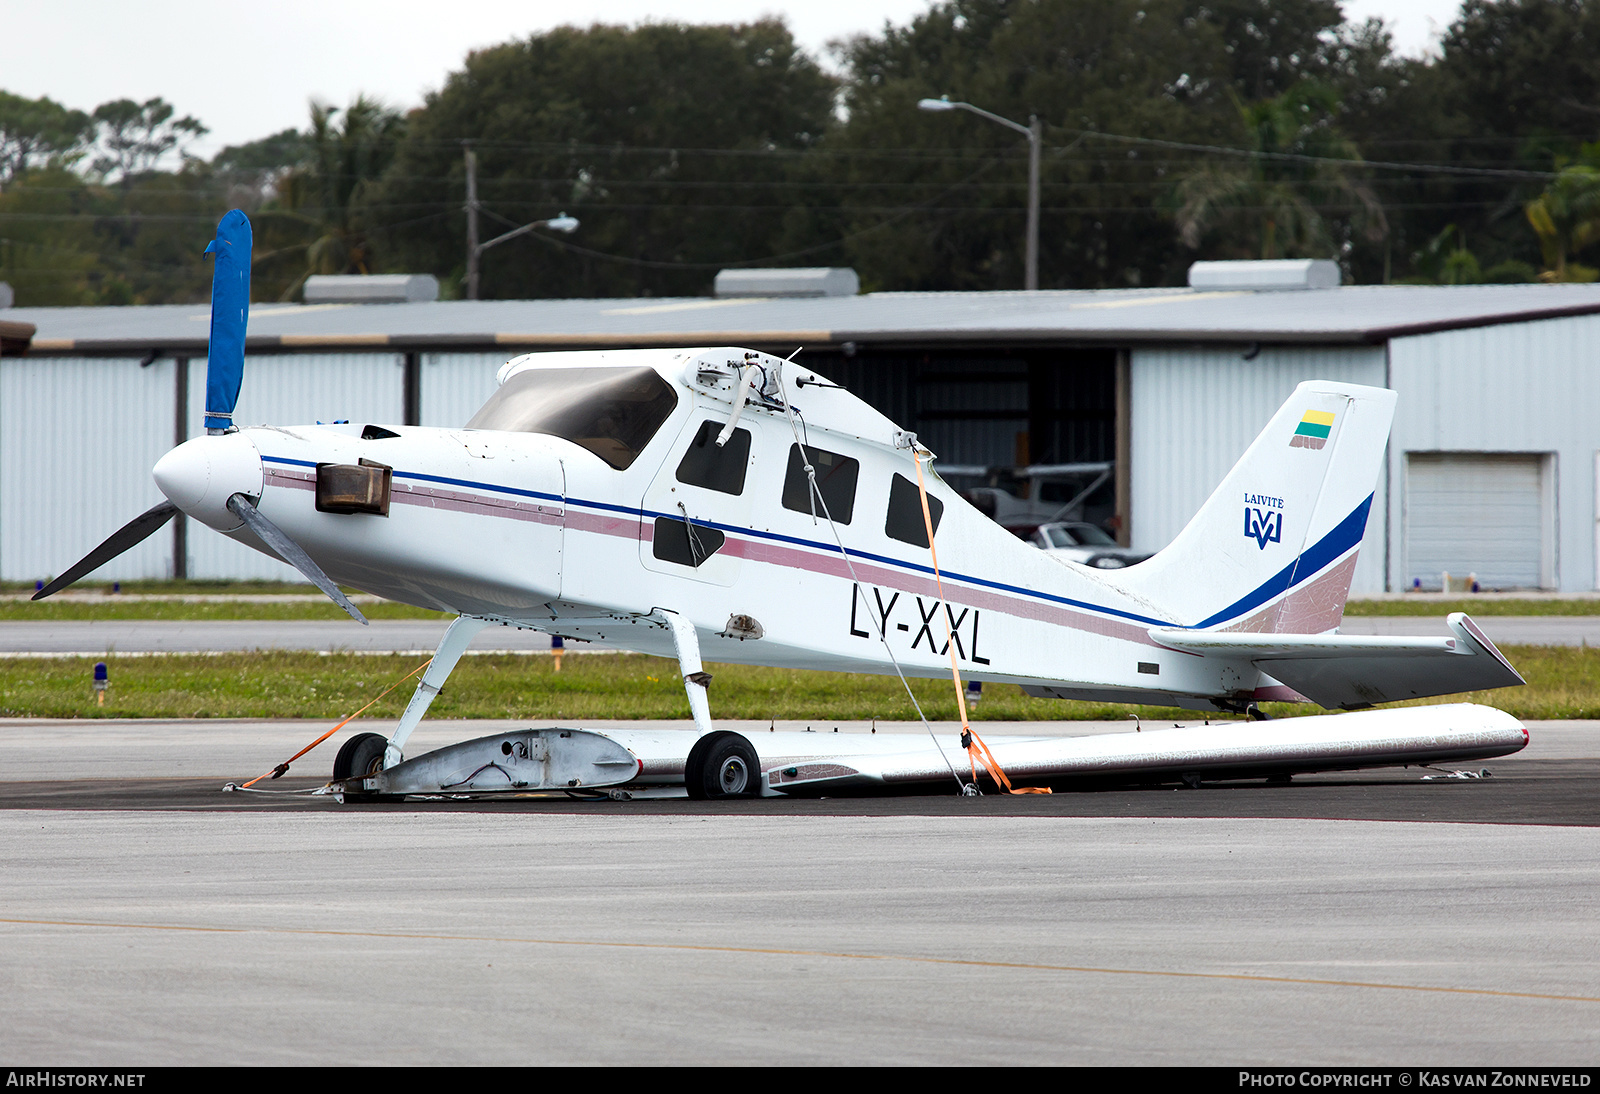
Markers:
{"x": 1344, "y": 536}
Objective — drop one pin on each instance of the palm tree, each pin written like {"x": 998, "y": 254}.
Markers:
{"x": 1566, "y": 218}
{"x": 316, "y": 221}
{"x": 1298, "y": 163}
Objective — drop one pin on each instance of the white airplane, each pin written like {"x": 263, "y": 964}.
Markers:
{"x": 725, "y": 505}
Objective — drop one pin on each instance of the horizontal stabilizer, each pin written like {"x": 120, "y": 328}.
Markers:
{"x": 1349, "y": 671}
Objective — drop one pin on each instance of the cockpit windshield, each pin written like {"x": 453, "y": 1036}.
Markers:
{"x": 613, "y": 412}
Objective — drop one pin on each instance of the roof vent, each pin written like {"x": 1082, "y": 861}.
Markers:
{"x": 372, "y": 289}
{"x": 801, "y": 281}
{"x": 1266, "y": 276}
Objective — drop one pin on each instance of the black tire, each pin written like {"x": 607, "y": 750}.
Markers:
{"x": 695, "y": 764}
{"x": 722, "y": 765}
{"x": 360, "y": 756}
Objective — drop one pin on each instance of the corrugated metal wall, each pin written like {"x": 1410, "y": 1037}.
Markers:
{"x": 291, "y": 389}
{"x": 455, "y": 385}
{"x": 78, "y": 437}
{"x": 1517, "y": 387}
{"x": 1195, "y": 411}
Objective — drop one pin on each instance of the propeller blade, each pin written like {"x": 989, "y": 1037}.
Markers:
{"x": 135, "y": 531}
{"x": 290, "y": 551}
{"x": 230, "y": 315}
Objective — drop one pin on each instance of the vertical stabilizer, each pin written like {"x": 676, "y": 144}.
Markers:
{"x": 1274, "y": 548}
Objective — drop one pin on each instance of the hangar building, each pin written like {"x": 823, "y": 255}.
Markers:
{"x": 1493, "y": 465}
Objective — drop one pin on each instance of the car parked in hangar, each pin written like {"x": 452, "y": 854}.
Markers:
{"x": 1084, "y": 543}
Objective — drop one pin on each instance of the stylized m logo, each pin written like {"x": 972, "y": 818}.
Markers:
{"x": 1263, "y": 526}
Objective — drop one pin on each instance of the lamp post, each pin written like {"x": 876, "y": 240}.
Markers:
{"x": 1035, "y": 133}
{"x": 562, "y": 223}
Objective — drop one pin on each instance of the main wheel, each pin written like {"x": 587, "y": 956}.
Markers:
{"x": 722, "y": 765}
{"x": 359, "y": 757}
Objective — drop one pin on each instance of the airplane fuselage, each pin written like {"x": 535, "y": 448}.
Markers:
{"x": 534, "y": 530}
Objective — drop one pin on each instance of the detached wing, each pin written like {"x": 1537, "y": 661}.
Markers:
{"x": 1350, "y": 671}
{"x": 822, "y": 763}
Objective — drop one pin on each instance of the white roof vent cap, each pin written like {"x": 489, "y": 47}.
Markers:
{"x": 1268, "y": 275}
{"x": 797, "y": 282}
{"x": 372, "y": 289}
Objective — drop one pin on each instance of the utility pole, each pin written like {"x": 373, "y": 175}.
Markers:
{"x": 1035, "y": 138}
{"x": 473, "y": 250}
{"x": 561, "y": 223}
{"x": 1034, "y": 131}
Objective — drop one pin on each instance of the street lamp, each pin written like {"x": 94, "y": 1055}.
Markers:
{"x": 562, "y": 223}
{"x": 1034, "y": 132}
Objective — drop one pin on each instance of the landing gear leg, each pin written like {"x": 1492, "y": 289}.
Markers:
{"x": 455, "y": 642}
{"x": 695, "y": 679}
{"x": 721, "y": 764}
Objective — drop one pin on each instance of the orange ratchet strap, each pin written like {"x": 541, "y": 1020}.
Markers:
{"x": 976, "y": 750}
{"x": 279, "y": 771}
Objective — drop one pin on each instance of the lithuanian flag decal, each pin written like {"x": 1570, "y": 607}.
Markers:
{"x": 1313, "y": 430}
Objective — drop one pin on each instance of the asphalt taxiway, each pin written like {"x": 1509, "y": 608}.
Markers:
{"x": 148, "y": 917}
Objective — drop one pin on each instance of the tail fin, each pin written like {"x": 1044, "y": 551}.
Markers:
{"x": 1274, "y": 548}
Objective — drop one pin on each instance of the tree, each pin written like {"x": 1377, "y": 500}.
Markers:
{"x": 1566, "y": 218}
{"x": 133, "y": 137}
{"x": 1272, "y": 202}
{"x": 34, "y": 132}
{"x": 937, "y": 201}
{"x": 317, "y": 224}
{"x": 1515, "y": 88}
{"x": 1274, "y": 44}
{"x": 673, "y": 145}
{"x": 253, "y": 171}
{"x": 1525, "y": 69}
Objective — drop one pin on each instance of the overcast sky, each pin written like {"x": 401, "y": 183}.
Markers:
{"x": 248, "y": 70}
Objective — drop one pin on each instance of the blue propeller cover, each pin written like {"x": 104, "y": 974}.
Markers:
{"x": 230, "y": 314}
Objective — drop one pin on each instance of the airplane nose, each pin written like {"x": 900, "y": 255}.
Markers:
{"x": 200, "y": 475}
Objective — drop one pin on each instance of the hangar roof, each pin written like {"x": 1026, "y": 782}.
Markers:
{"x": 1351, "y": 314}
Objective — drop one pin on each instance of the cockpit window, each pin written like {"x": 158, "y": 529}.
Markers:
{"x": 613, "y": 412}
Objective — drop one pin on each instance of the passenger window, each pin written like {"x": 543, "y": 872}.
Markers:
{"x": 685, "y": 543}
{"x": 905, "y": 521}
{"x": 722, "y": 469}
{"x": 836, "y": 480}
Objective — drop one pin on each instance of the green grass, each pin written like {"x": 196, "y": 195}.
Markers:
{"x": 54, "y": 610}
{"x": 182, "y": 588}
{"x": 1474, "y": 606}
{"x": 1563, "y": 683}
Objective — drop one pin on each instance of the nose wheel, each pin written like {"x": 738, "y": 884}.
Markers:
{"x": 722, "y": 765}
{"x": 358, "y": 758}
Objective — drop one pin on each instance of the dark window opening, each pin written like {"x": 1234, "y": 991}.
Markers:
{"x": 722, "y": 469}
{"x": 836, "y": 481}
{"x": 685, "y": 543}
{"x": 905, "y": 521}
{"x": 612, "y": 412}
